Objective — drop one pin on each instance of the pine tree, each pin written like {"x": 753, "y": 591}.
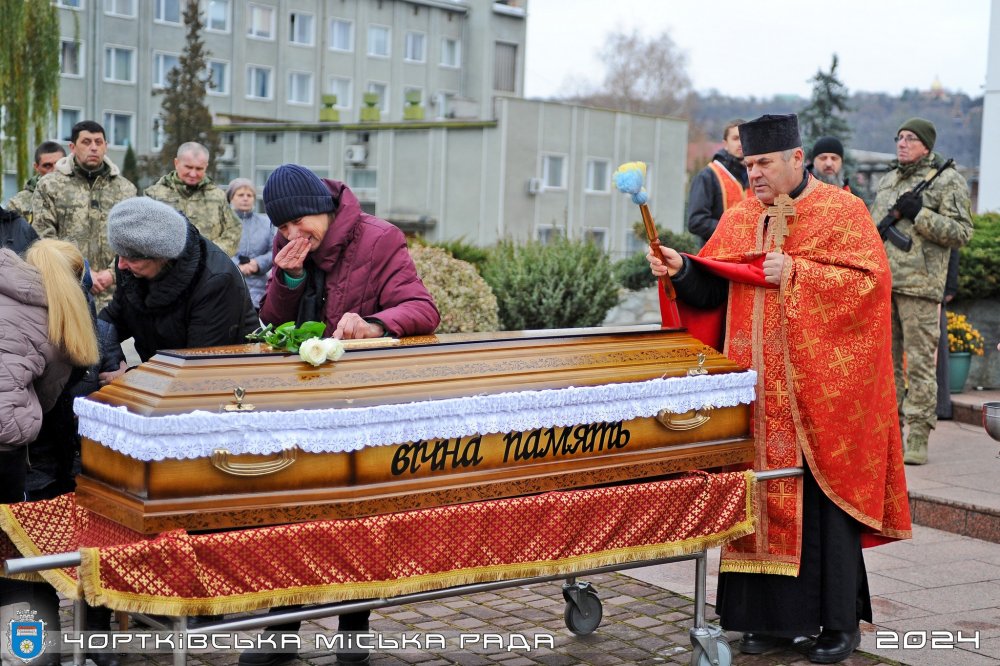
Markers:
{"x": 130, "y": 166}
{"x": 185, "y": 115}
{"x": 824, "y": 115}
{"x": 29, "y": 77}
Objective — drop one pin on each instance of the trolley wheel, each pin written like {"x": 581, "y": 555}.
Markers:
{"x": 584, "y": 615}
{"x": 699, "y": 658}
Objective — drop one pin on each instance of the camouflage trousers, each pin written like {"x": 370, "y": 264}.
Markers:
{"x": 916, "y": 328}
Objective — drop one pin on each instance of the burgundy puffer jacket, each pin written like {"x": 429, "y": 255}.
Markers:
{"x": 368, "y": 271}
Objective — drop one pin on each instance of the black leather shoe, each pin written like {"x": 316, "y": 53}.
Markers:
{"x": 752, "y": 643}
{"x": 352, "y": 658}
{"x": 265, "y": 658}
{"x": 105, "y": 658}
{"x": 832, "y": 646}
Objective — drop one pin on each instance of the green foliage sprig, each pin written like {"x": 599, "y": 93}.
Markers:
{"x": 288, "y": 336}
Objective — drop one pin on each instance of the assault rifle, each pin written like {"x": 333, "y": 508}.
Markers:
{"x": 887, "y": 227}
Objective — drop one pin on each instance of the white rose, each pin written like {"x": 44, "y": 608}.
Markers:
{"x": 333, "y": 347}
{"x": 312, "y": 351}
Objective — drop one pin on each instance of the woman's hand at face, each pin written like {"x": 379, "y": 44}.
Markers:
{"x": 292, "y": 257}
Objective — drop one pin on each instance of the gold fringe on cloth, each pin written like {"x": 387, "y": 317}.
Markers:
{"x": 553, "y": 533}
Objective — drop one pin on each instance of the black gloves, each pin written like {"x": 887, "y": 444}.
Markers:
{"x": 909, "y": 204}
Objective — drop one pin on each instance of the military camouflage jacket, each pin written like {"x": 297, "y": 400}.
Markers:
{"x": 20, "y": 203}
{"x": 945, "y": 222}
{"x": 72, "y": 205}
{"x": 205, "y": 205}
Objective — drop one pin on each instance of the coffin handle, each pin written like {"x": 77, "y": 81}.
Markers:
{"x": 672, "y": 421}
{"x": 220, "y": 460}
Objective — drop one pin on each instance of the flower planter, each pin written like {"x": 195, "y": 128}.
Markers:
{"x": 958, "y": 370}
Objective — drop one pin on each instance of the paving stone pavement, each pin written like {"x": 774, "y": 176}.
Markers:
{"x": 642, "y": 624}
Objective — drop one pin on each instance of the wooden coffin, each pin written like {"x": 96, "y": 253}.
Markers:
{"x": 413, "y": 423}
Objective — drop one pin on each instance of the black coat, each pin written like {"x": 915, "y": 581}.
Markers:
{"x": 199, "y": 300}
{"x": 705, "y": 197}
{"x": 15, "y": 232}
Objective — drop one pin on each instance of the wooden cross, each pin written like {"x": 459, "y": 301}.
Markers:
{"x": 780, "y": 212}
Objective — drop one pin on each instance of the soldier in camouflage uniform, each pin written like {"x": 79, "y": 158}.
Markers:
{"x": 46, "y": 155}
{"x": 938, "y": 220}
{"x": 190, "y": 191}
{"x": 73, "y": 201}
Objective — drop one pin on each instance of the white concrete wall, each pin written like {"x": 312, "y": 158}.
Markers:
{"x": 989, "y": 160}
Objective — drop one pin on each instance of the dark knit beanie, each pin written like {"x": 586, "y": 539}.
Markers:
{"x": 827, "y": 144}
{"x": 143, "y": 228}
{"x": 293, "y": 191}
{"x": 924, "y": 129}
{"x": 770, "y": 134}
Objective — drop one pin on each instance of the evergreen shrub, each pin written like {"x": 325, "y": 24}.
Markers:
{"x": 463, "y": 298}
{"x": 979, "y": 261}
{"x": 633, "y": 273}
{"x": 562, "y": 284}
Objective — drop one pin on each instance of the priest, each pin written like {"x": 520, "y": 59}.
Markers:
{"x": 803, "y": 283}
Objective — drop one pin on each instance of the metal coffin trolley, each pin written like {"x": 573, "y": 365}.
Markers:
{"x": 418, "y": 429}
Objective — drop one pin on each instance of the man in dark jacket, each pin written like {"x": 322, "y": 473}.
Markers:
{"x": 176, "y": 289}
{"x": 720, "y": 185}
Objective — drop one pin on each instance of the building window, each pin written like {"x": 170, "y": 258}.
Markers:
{"x": 382, "y": 90}
{"x": 341, "y": 87}
{"x": 156, "y": 138}
{"x": 67, "y": 118}
{"x": 71, "y": 59}
{"x": 258, "y": 82}
{"x": 505, "y": 66}
{"x": 553, "y": 173}
{"x": 597, "y": 236}
{"x": 162, "y": 64}
{"x": 167, "y": 11}
{"x": 118, "y": 127}
{"x": 217, "y": 16}
{"x": 415, "y": 49}
{"x": 260, "y": 22}
{"x": 442, "y": 102}
{"x": 362, "y": 179}
{"x": 218, "y": 76}
{"x": 124, "y": 8}
{"x": 598, "y": 179}
{"x": 260, "y": 178}
{"x": 378, "y": 41}
{"x": 548, "y": 234}
{"x": 451, "y": 52}
{"x": 300, "y": 88}
{"x": 341, "y": 35}
{"x": 119, "y": 64}
{"x": 300, "y": 29}
{"x": 70, "y": 4}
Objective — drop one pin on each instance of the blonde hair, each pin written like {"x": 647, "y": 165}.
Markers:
{"x": 71, "y": 328}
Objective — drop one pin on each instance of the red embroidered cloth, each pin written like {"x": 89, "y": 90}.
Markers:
{"x": 178, "y": 573}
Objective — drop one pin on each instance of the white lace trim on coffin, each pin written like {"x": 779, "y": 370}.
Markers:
{"x": 197, "y": 434}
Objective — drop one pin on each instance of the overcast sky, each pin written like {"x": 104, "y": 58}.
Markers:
{"x": 769, "y": 47}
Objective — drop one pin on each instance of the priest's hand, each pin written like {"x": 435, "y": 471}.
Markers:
{"x": 774, "y": 264}
{"x": 669, "y": 264}
{"x": 351, "y": 327}
{"x": 292, "y": 257}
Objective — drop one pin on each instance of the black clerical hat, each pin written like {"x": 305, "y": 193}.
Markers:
{"x": 770, "y": 134}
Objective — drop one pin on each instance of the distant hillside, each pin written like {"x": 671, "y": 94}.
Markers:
{"x": 874, "y": 118}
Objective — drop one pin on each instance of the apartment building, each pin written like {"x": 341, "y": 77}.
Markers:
{"x": 417, "y": 104}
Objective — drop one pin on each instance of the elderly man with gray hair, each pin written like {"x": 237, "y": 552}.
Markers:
{"x": 189, "y": 190}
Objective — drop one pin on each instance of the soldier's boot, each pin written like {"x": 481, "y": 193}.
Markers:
{"x": 916, "y": 446}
